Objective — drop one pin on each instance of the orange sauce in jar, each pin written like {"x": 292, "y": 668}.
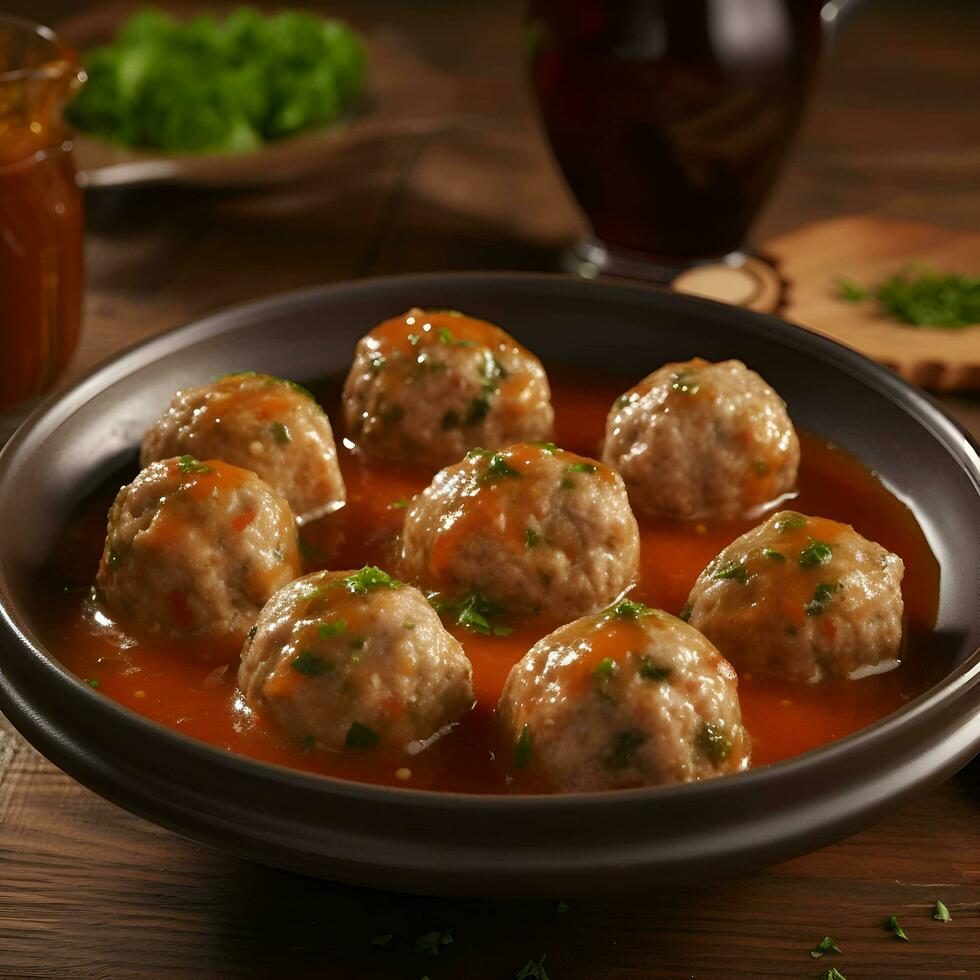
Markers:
{"x": 191, "y": 686}
{"x": 40, "y": 212}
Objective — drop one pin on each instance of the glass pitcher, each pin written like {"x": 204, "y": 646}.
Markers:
{"x": 671, "y": 118}
{"x": 40, "y": 211}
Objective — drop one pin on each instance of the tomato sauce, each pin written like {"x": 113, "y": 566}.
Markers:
{"x": 190, "y": 686}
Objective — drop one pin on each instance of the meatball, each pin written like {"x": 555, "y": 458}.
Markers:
{"x": 532, "y": 528}
{"x": 630, "y": 697}
{"x": 268, "y": 425}
{"x": 427, "y": 386}
{"x": 701, "y": 440}
{"x": 802, "y": 598}
{"x": 353, "y": 660}
{"x": 196, "y": 548}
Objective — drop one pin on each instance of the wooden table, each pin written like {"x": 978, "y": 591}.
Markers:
{"x": 86, "y": 889}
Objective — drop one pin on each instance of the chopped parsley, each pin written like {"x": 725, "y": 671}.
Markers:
{"x": 326, "y": 630}
{"x": 773, "y": 555}
{"x": 476, "y": 612}
{"x": 400, "y": 504}
{"x": 832, "y": 974}
{"x": 408, "y": 625}
{"x": 942, "y": 913}
{"x": 428, "y": 945}
{"x": 815, "y": 553}
{"x": 477, "y": 412}
{"x": 623, "y": 401}
{"x": 368, "y": 578}
{"x": 531, "y": 537}
{"x": 650, "y": 671}
{"x": 563, "y": 908}
{"x": 311, "y": 664}
{"x": 493, "y": 371}
{"x": 270, "y": 379}
{"x": 622, "y": 749}
{"x": 446, "y": 336}
{"x": 711, "y": 740}
{"x": 923, "y": 298}
{"x": 188, "y": 464}
{"x": 361, "y": 737}
{"x": 92, "y": 682}
{"x": 280, "y": 433}
{"x": 533, "y": 970}
{"x": 479, "y": 453}
{"x": 627, "y": 609}
{"x": 685, "y": 613}
{"x": 894, "y": 927}
{"x": 733, "y": 570}
{"x": 683, "y": 382}
{"x": 382, "y": 940}
{"x": 826, "y": 945}
{"x": 789, "y": 521}
{"x": 498, "y": 469}
{"x": 822, "y": 595}
{"x": 605, "y": 673}
{"x": 522, "y": 748}
{"x": 582, "y": 467}
{"x": 850, "y": 291}
{"x": 274, "y": 380}
{"x": 549, "y": 447}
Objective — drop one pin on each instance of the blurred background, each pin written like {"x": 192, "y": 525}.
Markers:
{"x": 450, "y": 168}
{"x": 892, "y": 131}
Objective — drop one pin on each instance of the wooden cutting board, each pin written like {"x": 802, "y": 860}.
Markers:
{"x": 796, "y": 275}
{"x": 868, "y": 249}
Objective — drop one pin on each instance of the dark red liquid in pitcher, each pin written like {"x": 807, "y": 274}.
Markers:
{"x": 670, "y": 118}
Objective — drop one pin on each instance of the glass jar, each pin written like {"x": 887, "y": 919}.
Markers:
{"x": 41, "y": 222}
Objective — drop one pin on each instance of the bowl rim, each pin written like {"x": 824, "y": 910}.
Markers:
{"x": 102, "y": 376}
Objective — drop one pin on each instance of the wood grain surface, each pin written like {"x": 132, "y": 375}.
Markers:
{"x": 871, "y": 249}
{"x": 89, "y": 890}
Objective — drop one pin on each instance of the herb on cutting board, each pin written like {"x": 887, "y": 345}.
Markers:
{"x": 921, "y": 297}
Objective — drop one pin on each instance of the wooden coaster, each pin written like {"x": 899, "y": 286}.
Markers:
{"x": 751, "y": 283}
{"x": 867, "y": 250}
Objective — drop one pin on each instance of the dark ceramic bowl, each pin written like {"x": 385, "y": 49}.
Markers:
{"x": 457, "y": 844}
